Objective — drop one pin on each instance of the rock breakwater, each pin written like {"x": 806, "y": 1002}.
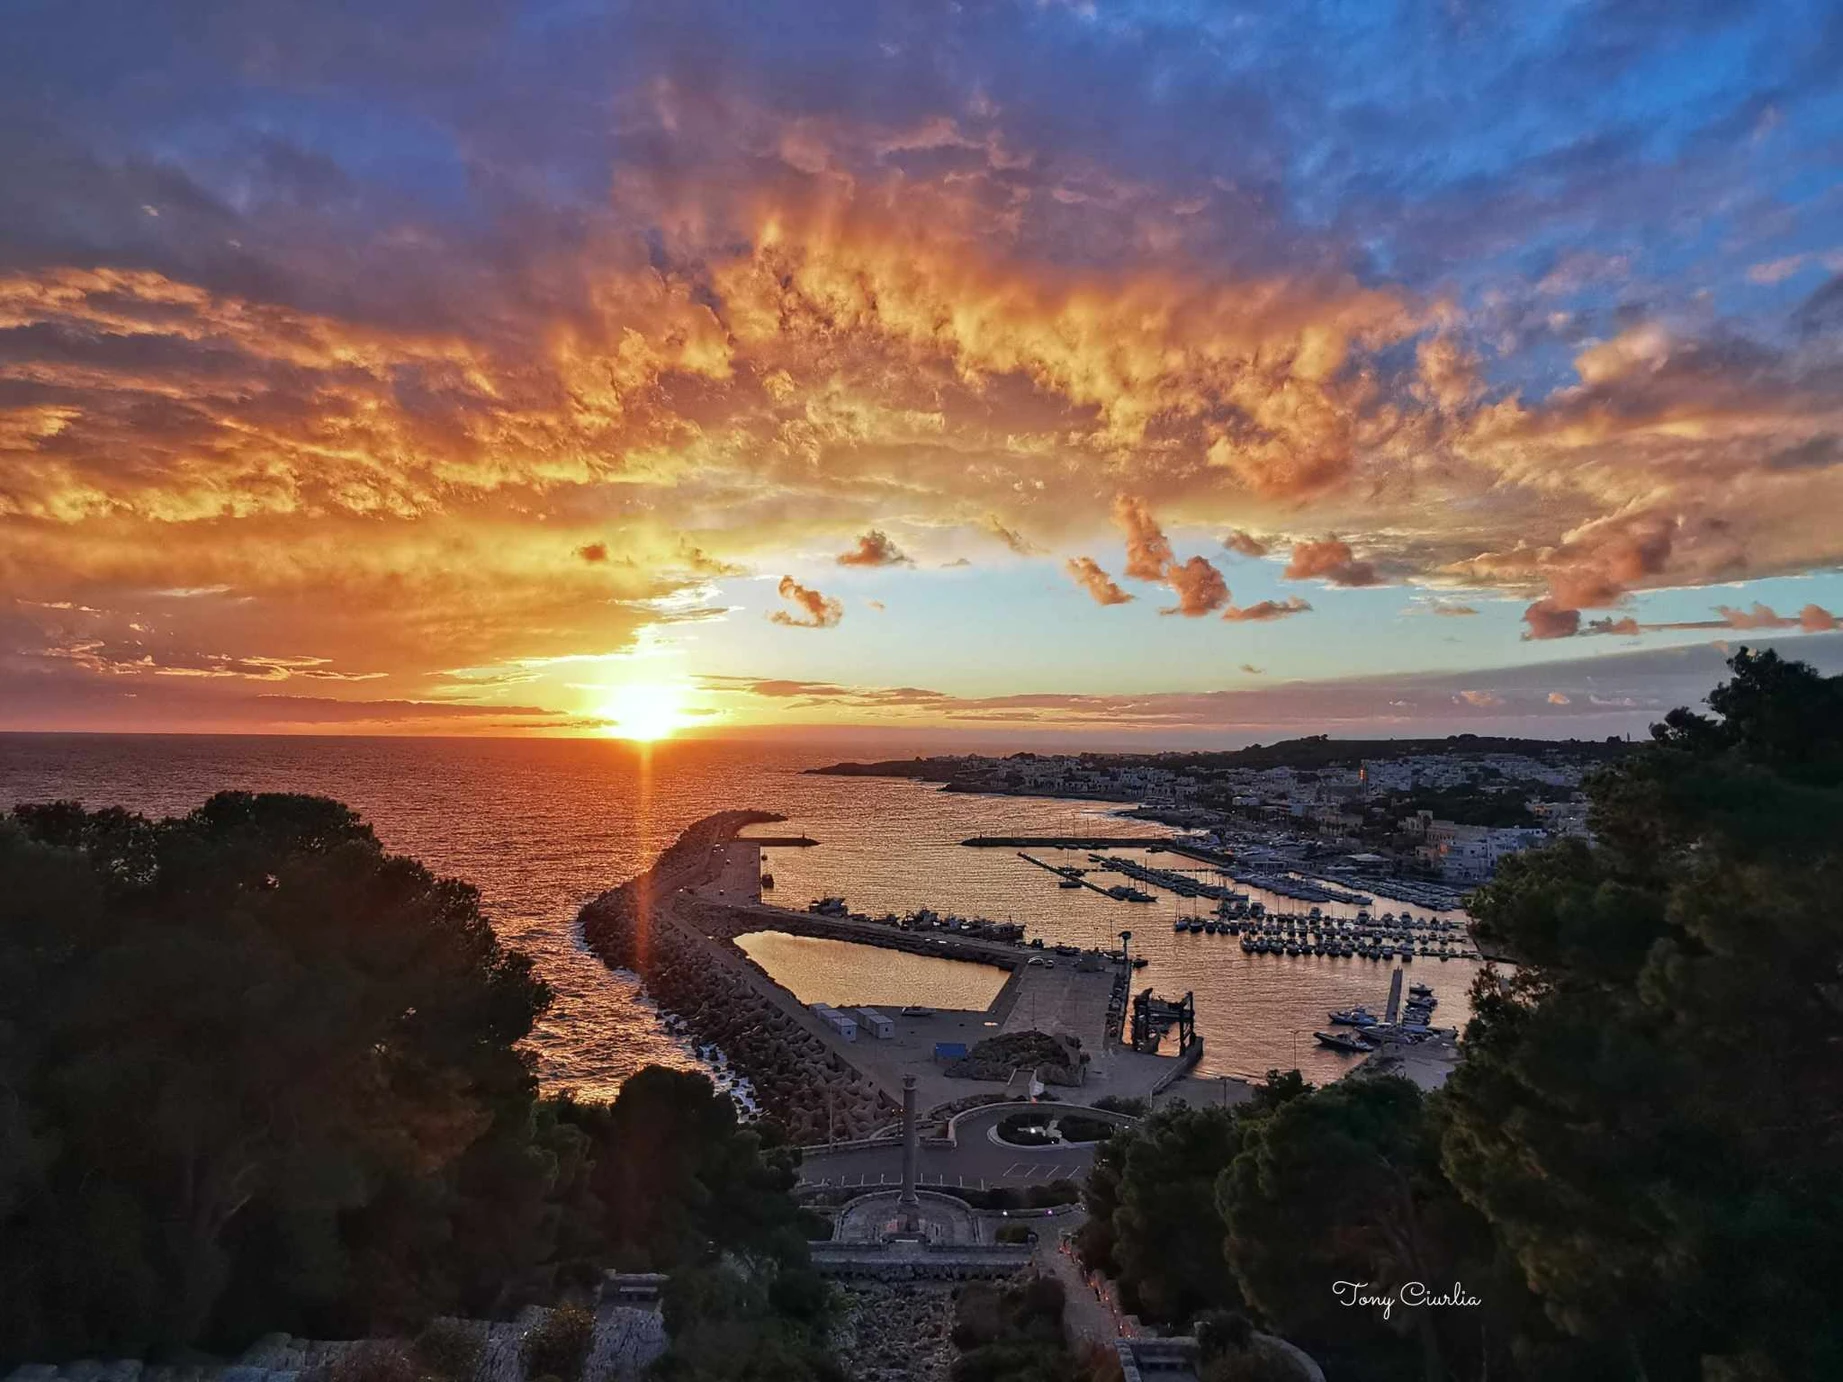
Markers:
{"x": 649, "y": 925}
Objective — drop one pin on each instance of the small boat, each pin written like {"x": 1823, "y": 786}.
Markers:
{"x": 1354, "y": 1017}
{"x": 1193, "y": 926}
{"x": 916, "y": 1010}
{"x": 767, "y": 880}
{"x": 1179, "y": 925}
{"x": 1140, "y": 962}
{"x": 1348, "y": 1042}
{"x": 1069, "y": 883}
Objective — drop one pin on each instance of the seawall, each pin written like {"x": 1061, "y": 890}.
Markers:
{"x": 650, "y": 925}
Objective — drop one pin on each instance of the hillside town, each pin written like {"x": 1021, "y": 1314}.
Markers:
{"x": 1445, "y": 811}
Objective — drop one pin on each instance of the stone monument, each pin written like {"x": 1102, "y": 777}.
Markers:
{"x": 909, "y": 1203}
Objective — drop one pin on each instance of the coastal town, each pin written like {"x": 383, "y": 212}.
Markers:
{"x": 1442, "y": 811}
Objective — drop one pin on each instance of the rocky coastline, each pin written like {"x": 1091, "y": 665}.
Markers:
{"x": 645, "y": 926}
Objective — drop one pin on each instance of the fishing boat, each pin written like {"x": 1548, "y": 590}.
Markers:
{"x": 1354, "y": 1017}
{"x": 1348, "y": 1042}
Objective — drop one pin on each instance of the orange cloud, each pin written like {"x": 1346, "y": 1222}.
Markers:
{"x": 1759, "y": 617}
{"x": 1546, "y": 619}
{"x": 1331, "y": 560}
{"x": 1266, "y": 610}
{"x": 1816, "y": 619}
{"x": 1148, "y": 554}
{"x": 1199, "y": 585}
{"x": 815, "y": 611}
{"x": 1088, "y": 574}
{"x": 1246, "y": 543}
{"x": 1627, "y": 627}
{"x": 1011, "y": 537}
{"x": 874, "y": 549}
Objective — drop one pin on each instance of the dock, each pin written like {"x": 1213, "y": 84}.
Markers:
{"x": 1073, "y": 877}
{"x": 1067, "y": 842}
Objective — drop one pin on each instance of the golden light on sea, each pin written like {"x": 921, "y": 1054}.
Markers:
{"x": 644, "y": 711}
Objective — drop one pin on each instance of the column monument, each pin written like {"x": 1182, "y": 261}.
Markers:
{"x": 909, "y": 1203}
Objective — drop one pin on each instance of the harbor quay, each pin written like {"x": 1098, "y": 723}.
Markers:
{"x": 677, "y": 925}
{"x": 1060, "y": 1000}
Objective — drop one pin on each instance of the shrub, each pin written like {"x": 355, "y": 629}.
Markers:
{"x": 1063, "y": 1191}
{"x": 1258, "y": 1363}
{"x": 1222, "y": 1331}
{"x": 559, "y": 1346}
{"x": 450, "y": 1350}
{"x": 1025, "y": 1129}
{"x": 1076, "y": 1128}
{"x": 1123, "y": 1103}
{"x": 372, "y": 1360}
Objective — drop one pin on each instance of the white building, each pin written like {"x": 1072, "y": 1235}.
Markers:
{"x": 880, "y": 1026}
{"x": 842, "y": 1023}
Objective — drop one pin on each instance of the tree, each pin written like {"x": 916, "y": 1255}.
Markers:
{"x": 256, "y": 1074}
{"x": 725, "y": 1327}
{"x": 1650, "y": 1113}
{"x": 1344, "y": 1185}
{"x": 1153, "y": 1221}
{"x": 230, "y": 1035}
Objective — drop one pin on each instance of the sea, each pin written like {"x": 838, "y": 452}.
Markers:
{"x": 540, "y": 826}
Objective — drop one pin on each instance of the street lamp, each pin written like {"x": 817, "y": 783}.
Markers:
{"x": 1126, "y": 939}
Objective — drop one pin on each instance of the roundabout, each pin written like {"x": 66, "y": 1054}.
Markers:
{"x": 970, "y": 1158}
{"x": 1052, "y": 1126}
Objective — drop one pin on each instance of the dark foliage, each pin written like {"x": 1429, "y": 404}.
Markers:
{"x": 1651, "y": 1113}
{"x": 256, "y": 1074}
{"x": 1635, "y": 1169}
{"x": 1152, "y": 1217}
{"x": 558, "y": 1346}
{"x": 1076, "y": 1128}
{"x": 1012, "y": 1333}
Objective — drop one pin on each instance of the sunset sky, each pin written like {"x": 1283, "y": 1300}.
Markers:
{"x": 1185, "y": 373}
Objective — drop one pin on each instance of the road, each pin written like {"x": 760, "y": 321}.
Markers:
{"x": 975, "y": 1162}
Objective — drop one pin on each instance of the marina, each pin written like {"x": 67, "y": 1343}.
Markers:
{"x": 1257, "y": 1002}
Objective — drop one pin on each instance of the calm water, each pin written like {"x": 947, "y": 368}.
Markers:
{"x": 540, "y": 826}
{"x": 816, "y": 970}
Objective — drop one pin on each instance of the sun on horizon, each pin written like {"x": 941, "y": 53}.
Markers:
{"x": 644, "y": 712}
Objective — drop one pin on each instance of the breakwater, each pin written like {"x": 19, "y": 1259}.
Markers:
{"x": 651, "y": 926}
